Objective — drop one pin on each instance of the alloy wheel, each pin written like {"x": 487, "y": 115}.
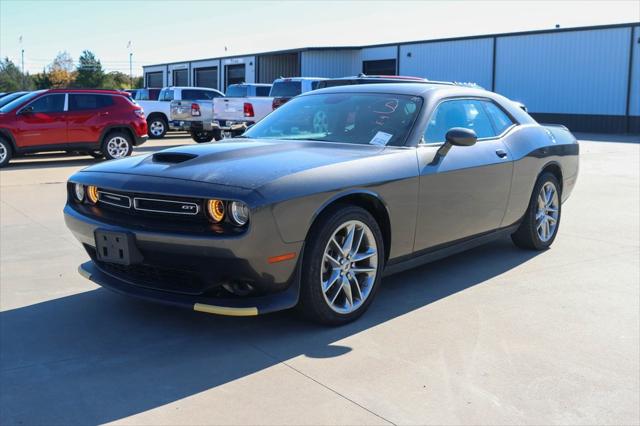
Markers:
{"x": 349, "y": 267}
{"x": 118, "y": 147}
{"x": 3, "y": 153}
{"x": 547, "y": 212}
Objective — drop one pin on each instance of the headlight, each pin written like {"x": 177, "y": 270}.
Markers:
{"x": 78, "y": 191}
{"x": 239, "y": 213}
{"x": 92, "y": 194}
{"x": 215, "y": 209}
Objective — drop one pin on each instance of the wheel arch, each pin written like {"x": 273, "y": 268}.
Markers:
{"x": 160, "y": 114}
{"x": 369, "y": 201}
{"x": 117, "y": 128}
{"x": 555, "y": 169}
{"x": 6, "y": 134}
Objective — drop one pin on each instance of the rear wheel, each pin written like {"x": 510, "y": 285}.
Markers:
{"x": 157, "y": 127}
{"x": 5, "y": 153}
{"x": 540, "y": 224}
{"x": 117, "y": 145}
{"x": 201, "y": 136}
{"x": 342, "y": 266}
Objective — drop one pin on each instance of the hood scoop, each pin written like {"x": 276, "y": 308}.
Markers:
{"x": 172, "y": 157}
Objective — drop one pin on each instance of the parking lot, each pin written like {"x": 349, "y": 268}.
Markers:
{"x": 495, "y": 335}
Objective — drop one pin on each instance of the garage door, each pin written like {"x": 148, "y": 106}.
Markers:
{"x": 381, "y": 67}
{"x": 234, "y": 75}
{"x": 154, "y": 79}
{"x": 180, "y": 77}
{"x": 206, "y": 77}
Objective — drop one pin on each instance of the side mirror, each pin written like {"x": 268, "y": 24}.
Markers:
{"x": 26, "y": 110}
{"x": 459, "y": 136}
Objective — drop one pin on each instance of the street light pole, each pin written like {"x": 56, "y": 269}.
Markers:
{"x": 23, "y": 76}
{"x": 131, "y": 70}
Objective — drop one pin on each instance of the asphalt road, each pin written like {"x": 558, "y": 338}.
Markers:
{"x": 495, "y": 335}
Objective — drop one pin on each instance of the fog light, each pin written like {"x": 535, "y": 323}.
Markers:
{"x": 92, "y": 194}
{"x": 239, "y": 213}
{"x": 78, "y": 191}
{"x": 215, "y": 208}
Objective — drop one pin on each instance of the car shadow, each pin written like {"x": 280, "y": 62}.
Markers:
{"x": 58, "y": 160}
{"x": 97, "y": 357}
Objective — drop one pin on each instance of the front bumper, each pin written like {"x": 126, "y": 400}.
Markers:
{"x": 189, "y": 270}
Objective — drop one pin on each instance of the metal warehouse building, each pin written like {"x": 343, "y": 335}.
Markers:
{"x": 587, "y": 78}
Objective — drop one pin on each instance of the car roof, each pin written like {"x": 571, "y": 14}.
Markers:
{"x": 410, "y": 89}
{"x": 300, "y": 79}
{"x": 92, "y": 91}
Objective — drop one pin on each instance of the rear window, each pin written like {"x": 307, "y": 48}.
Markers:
{"x": 89, "y": 101}
{"x": 286, "y": 89}
{"x": 236, "y": 91}
{"x": 198, "y": 94}
{"x": 263, "y": 90}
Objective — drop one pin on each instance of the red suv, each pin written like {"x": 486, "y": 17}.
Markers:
{"x": 98, "y": 122}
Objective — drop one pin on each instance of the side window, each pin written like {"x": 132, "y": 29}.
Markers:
{"x": 501, "y": 120}
{"x": 467, "y": 113}
{"x": 48, "y": 104}
{"x": 314, "y": 85}
{"x": 88, "y": 102}
{"x": 166, "y": 95}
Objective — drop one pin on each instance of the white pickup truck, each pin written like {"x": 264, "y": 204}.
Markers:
{"x": 243, "y": 105}
{"x": 159, "y": 112}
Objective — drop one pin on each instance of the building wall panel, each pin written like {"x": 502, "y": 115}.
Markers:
{"x": 576, "y": 72}
{"x": 461, "y": 60}
{"x": 271, "y": 67}
{"x": 330, "y": 63}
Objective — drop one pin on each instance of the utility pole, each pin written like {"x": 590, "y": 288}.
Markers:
{"x": 23, "y": 75}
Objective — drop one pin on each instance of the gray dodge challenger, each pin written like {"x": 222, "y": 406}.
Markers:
{"x": 319, "y": 200}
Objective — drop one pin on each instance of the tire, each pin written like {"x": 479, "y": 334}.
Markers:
{"x": 533, "y": 233}
{"x": 117, "y": 145}
{"x": 201, "y": 136}
{"x": 6, "y": 152}
{"x": 96, "y": 154}
{"x": 157, "y": 127}
{"x": 217, "y": 135}
{"x": 331, "y": 306}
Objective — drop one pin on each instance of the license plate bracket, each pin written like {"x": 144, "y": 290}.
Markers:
{"x": 116, "y": 247}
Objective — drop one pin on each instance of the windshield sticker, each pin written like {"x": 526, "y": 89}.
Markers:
{"x": 381, "y": 138}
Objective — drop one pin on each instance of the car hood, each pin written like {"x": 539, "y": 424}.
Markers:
{"x": 241, "y": 163}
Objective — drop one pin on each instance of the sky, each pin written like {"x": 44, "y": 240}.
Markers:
{"x": 167, "y": 31}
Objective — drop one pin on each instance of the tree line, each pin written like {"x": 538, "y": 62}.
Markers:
{"x": 62, "y": 73}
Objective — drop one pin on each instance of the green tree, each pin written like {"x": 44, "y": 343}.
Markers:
{"x": 116, "y": 80}
{"x": 90, "y": 74}
{"x": 11, "y": 78}
{"x": 41, "y": 80}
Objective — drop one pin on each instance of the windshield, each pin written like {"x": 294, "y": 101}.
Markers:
{"x": 287, "y": 89}
{"x": 18, "y": 101}
{"x": 358, "y": 118}
{"x": 236, "y": 91}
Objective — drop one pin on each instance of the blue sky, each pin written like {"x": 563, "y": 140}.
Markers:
{"x": 163, "y": 31}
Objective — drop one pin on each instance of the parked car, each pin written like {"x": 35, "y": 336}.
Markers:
{"x": 283, "y": 89}
{"x": 243, "y": 105}
{"x": 97, "y": 122}
{"x": 8, "y": 97}
{"x": 131, "y": 92}
{"x": 158, "y": 112}
{"x": 294, "y": 212}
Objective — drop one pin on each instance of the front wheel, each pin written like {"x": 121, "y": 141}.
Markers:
{"x": 342, "y": 266}
{"x": 540, "y": 223}
{"x": 202, "y": 136}
{"x": 5, "y": 153}
{"x": 117, "y": 145}
{"x": 157, "y": 127}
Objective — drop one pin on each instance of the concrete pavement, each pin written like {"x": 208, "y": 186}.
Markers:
{"x": 495, "y": 335}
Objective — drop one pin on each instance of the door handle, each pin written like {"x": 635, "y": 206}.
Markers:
{"x": 501, "y": 153}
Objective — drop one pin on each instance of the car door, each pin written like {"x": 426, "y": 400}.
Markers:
{"x": 87, "y": 115}
{"x": 42, "y": 122}
{"x": 464, "y": 193}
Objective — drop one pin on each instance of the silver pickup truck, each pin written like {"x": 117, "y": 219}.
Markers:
{"x": 228, "y": 116}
